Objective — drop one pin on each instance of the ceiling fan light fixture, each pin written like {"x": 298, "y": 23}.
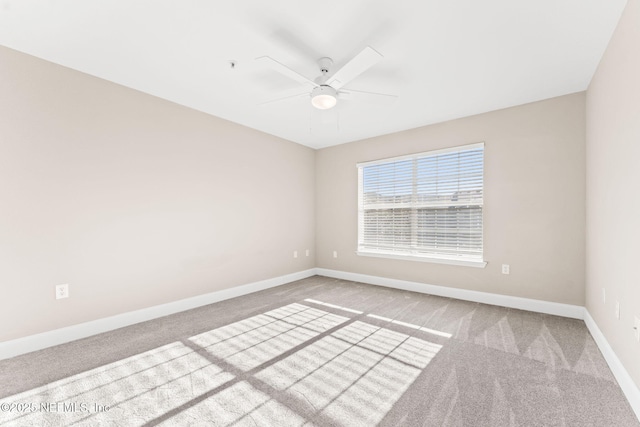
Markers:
{"x": 324, "y": 97}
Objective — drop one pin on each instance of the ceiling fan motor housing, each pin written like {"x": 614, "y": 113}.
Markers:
{"x": 324, "y": 97}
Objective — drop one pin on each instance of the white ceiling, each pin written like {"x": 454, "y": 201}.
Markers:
{"x": 444, "y": 59}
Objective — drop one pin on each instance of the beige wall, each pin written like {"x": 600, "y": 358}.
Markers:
{"x": 613, "y": 190}
{"x": 534, "y": 215}
{"x": 134, "y": 201}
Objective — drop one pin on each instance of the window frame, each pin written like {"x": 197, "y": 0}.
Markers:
{"x": 408, "y": 255}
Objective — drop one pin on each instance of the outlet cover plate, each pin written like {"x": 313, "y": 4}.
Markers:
{"x": 62, "y": 291}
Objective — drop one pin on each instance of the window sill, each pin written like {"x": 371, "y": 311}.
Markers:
{"x": 466, "y": 263}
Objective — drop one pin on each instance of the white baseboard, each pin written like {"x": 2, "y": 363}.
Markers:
{"x": 625, "y": 381}
{"x": 70, "y": 333}
{"x": 547, "y": 307}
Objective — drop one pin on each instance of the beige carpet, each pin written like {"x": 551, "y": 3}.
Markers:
{"x": 323, "y": 352}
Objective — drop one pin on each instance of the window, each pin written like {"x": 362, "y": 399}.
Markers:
{"x": 426, "y": 206}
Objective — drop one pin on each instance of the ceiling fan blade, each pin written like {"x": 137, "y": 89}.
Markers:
{"x": 369, "y": 97}
{"x": 366, "y": 59}
{"x": 285, "y": 71}
{"x": 284, "y": 98}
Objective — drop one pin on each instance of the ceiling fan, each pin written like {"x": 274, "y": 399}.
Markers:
{"x": 326, "y": 89}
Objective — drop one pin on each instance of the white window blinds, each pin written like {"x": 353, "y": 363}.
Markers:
{"x": 423, "y": 205}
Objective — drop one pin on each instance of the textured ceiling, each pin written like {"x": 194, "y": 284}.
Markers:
{"x": 444, "y": 59}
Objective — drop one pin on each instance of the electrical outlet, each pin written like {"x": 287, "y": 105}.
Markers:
{"x": 306, "y": 252}
{"x": 295, "y": 254}
{"x": 335, "y": 254}
{"x": 636, "y": 327}
{"x": 62, "y": 291}
{"x": 505, "y": 268}
{"x": 617, "y": 310}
